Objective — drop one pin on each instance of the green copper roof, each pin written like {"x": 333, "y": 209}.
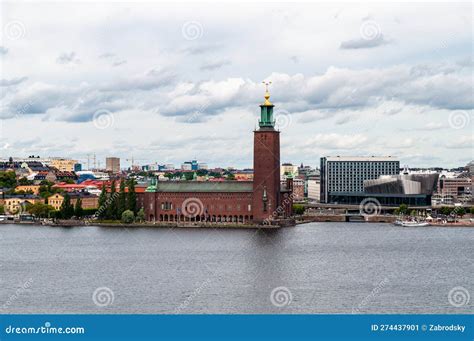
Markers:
{"x": 201, "y": 186}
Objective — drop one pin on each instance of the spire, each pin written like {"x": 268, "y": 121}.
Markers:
{"x": 267, "y": 94}
{"x": 266, "y": 110}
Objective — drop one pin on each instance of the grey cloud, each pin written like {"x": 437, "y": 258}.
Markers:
{"x": 214, "y": 65}
{"x": 13, "y": 81}
{"x": 107, "y": 55}
{"x": 67, "y": 58}
{"x": 119, "y": 63}
{"x": 364, "y": 43}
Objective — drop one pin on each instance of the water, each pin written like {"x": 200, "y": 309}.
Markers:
{"x": 324, "y": 267}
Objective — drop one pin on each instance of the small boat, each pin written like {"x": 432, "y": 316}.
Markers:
{"x": 408, "y": 223}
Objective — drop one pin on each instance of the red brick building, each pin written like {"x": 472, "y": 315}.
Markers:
{"x": 262, "y": 200}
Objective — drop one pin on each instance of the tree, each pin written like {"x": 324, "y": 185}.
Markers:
{"x": 24, "y": 181}
{"x": 403, "y": 209}
{"x": 472, "y": 210}
{"x": 2, "y": 209}
{"x": 102, "y": 203}
{"x": 141, "y": 215}
{"x": 460, "y": 211}
{"x": 78, "y": 210}
{"x": 40, "y": 210}
{"x": 112, "y": 203}
{"x": 122, "y": 199}
{"x": 230, "y": 176}
{"x": 132, "y": 196}
{"x": 298, "y": 209}
{"x": 128, "y": 217}
{"x": 66, "y": 209}
{"x": 8, "y": 179}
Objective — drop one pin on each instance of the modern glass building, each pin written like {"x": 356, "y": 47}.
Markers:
{"x": 343, "y": 176}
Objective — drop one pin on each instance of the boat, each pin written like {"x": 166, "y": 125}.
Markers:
{"x": 411, "y": 223}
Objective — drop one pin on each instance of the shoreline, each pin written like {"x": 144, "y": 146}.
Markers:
{"x": 214, "y": 226}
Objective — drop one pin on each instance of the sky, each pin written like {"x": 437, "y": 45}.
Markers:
{"x": 166, "y": 83}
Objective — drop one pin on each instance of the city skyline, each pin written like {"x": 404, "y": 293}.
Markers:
{"x": 347, "y": 80}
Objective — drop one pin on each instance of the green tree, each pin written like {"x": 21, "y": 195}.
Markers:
{"x": 2, "y": 209}
{"x": 24, "y": 181}
{"x": 472, "y": 210}
{"x": 298, "y": 209}
{"x": 141, "y": 215}
{"x": 67, "y": 209}
{"x": 230, "y": 176}
{"x": 8, "y": 179}
{"x": 460, "y": 211}
{"x": 102, "y": 203}
{"x": 78, "y": 210}
{"x": 403, "y": 209}
{"x": 132, "y": 196}
{"x": 40, "y": 210}
{"x": 122, "y": 199}
{"x": 128, "y": 217}
{"x": 112, "y": 202}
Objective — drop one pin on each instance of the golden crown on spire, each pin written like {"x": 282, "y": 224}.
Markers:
{"x": 267, "y": 94}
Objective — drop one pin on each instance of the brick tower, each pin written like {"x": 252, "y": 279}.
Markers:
{"x": 266, "y": 165}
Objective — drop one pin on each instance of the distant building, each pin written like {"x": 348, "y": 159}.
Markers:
{"x": 34, "y": 189}
{"x": 193, "y": 165}
{"x": 14, "y": 204}
{"x": 454, "y": 190}
{"x": 343, "y": 176}
{"x": 394, "y": 190}
{"x": 112, "y": 164}
{"x": 88, "y": 200}
{"x": 288, "y": 169}
{"x": 63, "y": 165}
{"x": 314, "y": 188}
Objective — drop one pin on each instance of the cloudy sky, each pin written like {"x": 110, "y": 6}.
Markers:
{"x": 170, "y": 82}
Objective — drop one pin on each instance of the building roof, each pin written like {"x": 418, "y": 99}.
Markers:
{"x": 202, "y": 186}
{"x": 361, "y": 158}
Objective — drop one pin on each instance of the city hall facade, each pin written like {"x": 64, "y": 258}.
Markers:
{"x": 261, "y": 201}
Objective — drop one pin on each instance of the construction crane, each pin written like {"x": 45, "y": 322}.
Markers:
{"x": 132, "y": 162}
